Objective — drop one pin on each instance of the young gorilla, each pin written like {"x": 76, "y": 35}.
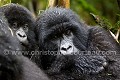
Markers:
{"x": 21, "y": 22}
{"x": 15, "y": 67}
{"x": 60, "y": 30}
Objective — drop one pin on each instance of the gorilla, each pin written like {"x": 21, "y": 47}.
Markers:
{"x": 15, "y": 67}
{"x": 79, "y": 50}
{"x": 21, "y": 22}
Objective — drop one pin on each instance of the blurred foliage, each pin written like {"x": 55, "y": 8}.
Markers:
{"x": 105, "y": 8}
{"x": 34, "y": 5}
{"x": 103, "y": 22}
{"x": 3, "y": 2}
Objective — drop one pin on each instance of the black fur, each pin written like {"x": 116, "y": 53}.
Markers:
{"x": 15, "y": 67}
{"x": 56, "y": 21}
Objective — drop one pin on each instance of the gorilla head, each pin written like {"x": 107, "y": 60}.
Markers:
{"x": 59, "y": 31}
{"x": 21, "y": 22}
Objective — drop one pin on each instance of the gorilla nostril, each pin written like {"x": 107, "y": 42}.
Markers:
{"x": 64, "y": 49}
{"x": 19, "y": 35}
{"x": 69, "y": 47}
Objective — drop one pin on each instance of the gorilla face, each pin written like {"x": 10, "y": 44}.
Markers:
{"x": 21, "y": 32}
{"x": 21, "y": 22}
{"x": 63, "y": 39}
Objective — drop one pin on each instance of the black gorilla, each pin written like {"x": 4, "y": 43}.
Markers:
{"x": 60, "y": 30}
{"x": 21, "y": 22}
{"x": 15, "y": 67}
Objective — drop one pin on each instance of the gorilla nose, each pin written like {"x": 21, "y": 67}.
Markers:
{"x": 66, "y": 48}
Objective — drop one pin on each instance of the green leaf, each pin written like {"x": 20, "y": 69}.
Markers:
{"x": 3, "y": 2}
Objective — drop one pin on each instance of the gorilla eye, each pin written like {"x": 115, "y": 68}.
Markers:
{"x": 14, "y": 25}
{"x": 68, "y": 32}
{"x": 55, "y": 37}
{"x": 25, "y": 27}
